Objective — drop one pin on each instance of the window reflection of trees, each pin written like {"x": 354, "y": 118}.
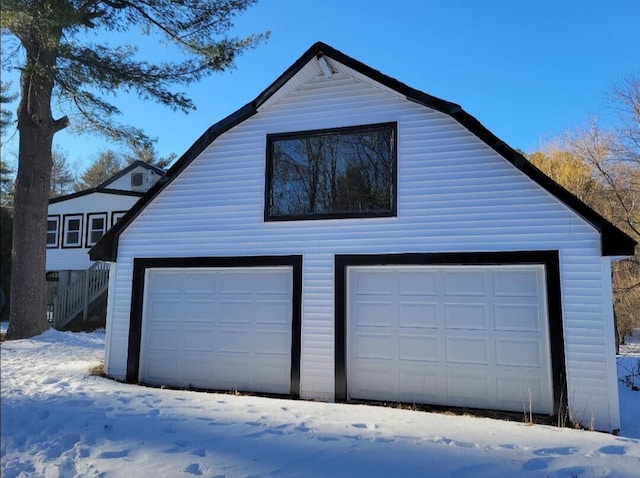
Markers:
{"x": 333, "y": 173}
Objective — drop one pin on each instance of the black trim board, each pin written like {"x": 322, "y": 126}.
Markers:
{"x": 613, "y": 240}
{"x": 141, "y": 265}
{"x": 550, "y": 259}
{"x": 86, "y": 192}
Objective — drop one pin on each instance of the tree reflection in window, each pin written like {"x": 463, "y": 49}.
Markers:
{"x": 332, "y": 173}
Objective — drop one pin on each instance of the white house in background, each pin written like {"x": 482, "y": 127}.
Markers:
{"x": 346, "y": 237}
{"x": 77, "y": 221}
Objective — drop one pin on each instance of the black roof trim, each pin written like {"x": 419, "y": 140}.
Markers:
{"x": 99, "y": 189}
{"x": 614, "y": 242}
{"x": 131, "y": 167}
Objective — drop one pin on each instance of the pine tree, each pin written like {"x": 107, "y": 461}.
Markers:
{"x": 62, "y": 61}
{"x": 62, "y": 178}
{"x": 106, "y": 164}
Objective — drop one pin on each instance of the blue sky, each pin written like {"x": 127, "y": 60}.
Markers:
{"x": 527, "y": 70}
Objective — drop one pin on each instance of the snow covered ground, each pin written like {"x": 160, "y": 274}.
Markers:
{"x": 60, "y": 421}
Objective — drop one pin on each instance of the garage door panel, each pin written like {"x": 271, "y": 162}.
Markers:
{"x": 271, "y": 371}
{"x": 165, "y": 310}
{"x": 231, "y": 372}
{"x": 467, "y": 350}
{"x": 418, "y": 348}
{"x": 163, "y": 339}
{"x": 420, "y": 384}
{"x": 518, "y": 317}
{"x": 518, "y": 393}
{"x": 418, "y": 283}
{"x": 375, "y": 283}
{"x": 418, "y": 313}
{"x": 199, "y": 283}
{"x": 375, "y": 346}
{"x": 275, "y": 313}
{"x": 472, "y": 330}
{"x": 232, "y": 282}
{"x": 272, "y": 343}
{"x": 219, "y": 328}
{"x": 235, "y": 311}
{"x": 235, "y": 341}
{"x": 373, "y": 313}
{"x": 465, "y": 386}
{"x": 518, "y": 353}
{"x": 191, "y": 371}
{"x": 274, "y": 283}
{"x": 464, "y": 283}
{"x": 198, "y": 339}
{"x": 466, "y": 316}
{"x": 516, "y": 284}
{"x": 374, "y": 382}
{"x": 164, "y": 282}
{"x": 161, "y": 369}
{"x": 457, "y": 343}
{"x": 198, "y": 311}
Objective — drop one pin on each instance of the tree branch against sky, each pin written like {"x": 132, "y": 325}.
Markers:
{"x": 602, "y": 167}
{"x": 67, "y": 51}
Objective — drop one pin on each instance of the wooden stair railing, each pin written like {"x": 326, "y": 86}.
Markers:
{"x": 77, "y": 298}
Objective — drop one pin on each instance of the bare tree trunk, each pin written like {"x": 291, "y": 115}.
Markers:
{"x": 37, "y": 128}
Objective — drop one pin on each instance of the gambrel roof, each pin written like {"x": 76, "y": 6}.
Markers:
{"x": 614, "y": 242}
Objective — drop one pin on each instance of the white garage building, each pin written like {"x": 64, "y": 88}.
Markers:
{"x": 346, "y": 237}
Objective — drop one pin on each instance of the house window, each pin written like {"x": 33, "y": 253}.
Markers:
{"x": 116, "y": 216}
{"x": 339, "y": 173}
{"x": 136, "y": 179}
{"x": 96, "y": 227}
{"x": 72, "y": 231}
{"x": 53, "y": 227}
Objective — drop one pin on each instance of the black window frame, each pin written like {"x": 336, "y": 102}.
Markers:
{"x": 272, "y": 138}
{"x": 56, "y": 219}
{"x": 116, "y": 216}
{"x": 105, "y": 221}
{"x": 65, "y": 220}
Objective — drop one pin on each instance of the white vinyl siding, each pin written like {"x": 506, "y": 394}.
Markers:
{"x": 454, "y": 194}
{"x": 126, "y": 182}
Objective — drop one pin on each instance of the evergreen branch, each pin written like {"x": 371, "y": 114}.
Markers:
{"x": 106, "y": 69}
{"x": 106, "y": 127}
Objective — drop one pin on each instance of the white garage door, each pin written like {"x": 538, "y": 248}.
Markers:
{"x": 218, "y": 328}
{"x": 470, "y": 336}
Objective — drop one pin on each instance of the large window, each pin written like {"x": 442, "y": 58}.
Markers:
{"x": 96, "y": 227}
{"x": 72, "y": 231}
{"x": 53, "y": 226}
{"x": 346, "y": 172}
